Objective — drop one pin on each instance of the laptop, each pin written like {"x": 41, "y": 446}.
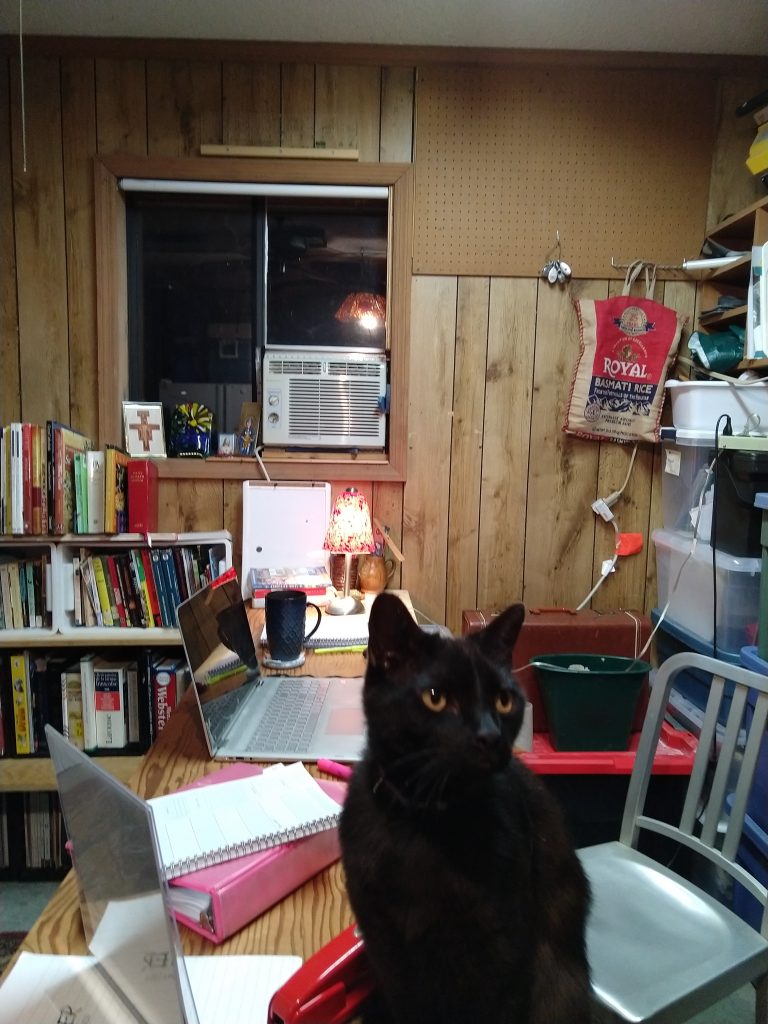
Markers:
{"x": 248, "y": 716}
{"x": 137, "y": 972}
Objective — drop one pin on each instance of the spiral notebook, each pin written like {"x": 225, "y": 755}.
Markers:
{"x": 197, "y": 828}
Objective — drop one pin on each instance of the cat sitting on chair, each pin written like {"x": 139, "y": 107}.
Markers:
{"x": 460, "y": 872}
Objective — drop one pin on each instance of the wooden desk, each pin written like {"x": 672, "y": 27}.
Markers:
{"x": 300, "y": 924}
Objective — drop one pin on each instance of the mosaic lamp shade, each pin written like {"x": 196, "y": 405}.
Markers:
{"x": 349, "y": 533}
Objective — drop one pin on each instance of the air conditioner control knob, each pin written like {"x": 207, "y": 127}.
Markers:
{"x": 274, "y": 399}
{"x": 273, "y": 417}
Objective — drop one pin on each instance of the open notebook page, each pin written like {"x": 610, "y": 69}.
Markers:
{"x": 43, "y": 988}
{"x": 208, "y": 825}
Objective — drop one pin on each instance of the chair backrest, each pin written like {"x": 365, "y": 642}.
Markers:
{"x": 723, "y": 768}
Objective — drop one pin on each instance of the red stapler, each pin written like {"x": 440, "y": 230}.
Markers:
{"x": 331, "y": 986}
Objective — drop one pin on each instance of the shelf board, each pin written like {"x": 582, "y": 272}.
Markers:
{"x": 728, "y": 316}
{"x": 35, "y": 774}
{"x": 97, "y": 636}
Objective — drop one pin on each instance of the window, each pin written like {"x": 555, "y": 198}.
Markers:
{"x": 213, "y": 280}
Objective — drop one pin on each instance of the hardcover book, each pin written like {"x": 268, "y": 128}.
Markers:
{"x": 110, "y": 685}
{"x": 142, "y": 496}
{"x": 66, "y": 442}
{"x": 167, "y": 680}
{"x": 115, "y": 489}
{"x": 94, "y": 472}
{"x": 22, "y": 703}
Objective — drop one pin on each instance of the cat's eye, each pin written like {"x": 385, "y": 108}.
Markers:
{"x": 434, "y": 699}
{"x": 505, "y": 702}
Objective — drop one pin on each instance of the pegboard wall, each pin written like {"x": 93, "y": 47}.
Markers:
{"x": 617, "y": 162}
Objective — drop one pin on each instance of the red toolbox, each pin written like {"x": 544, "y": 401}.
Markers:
{"x": 564, "y": 631}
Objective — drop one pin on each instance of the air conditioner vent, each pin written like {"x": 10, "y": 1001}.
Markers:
{"x": 337, "y": 368}
{"x": 333, "y": 400}
{"x": 305, "y": 367}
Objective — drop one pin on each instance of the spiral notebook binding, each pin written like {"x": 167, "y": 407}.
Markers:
{"x": 244, "y": 847}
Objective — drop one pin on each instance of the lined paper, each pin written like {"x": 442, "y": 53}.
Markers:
{"x": 208, "y": 825}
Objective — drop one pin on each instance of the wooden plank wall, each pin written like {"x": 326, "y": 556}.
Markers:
{"x": 497, "y": 502}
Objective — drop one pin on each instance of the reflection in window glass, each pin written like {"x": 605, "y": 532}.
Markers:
{"x": 213, "y": 280}
{"x": 326, "y": 273}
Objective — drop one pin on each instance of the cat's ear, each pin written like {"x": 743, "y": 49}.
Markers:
{"x": 498, "y": 638}
{"x": 393, "y": 635}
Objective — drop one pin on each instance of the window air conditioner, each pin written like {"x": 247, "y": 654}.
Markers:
{"x": 329, "y": 399}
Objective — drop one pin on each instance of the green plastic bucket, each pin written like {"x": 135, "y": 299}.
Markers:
{"x": 590, "y": 698}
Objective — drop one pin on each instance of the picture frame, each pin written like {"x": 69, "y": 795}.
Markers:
{"x": 143, "y": 429}
{"x": 227, "y": 444}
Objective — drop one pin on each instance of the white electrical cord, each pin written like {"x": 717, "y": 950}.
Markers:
{"x": 602, "y": 508}
{"x": 606, "y": 573}
{"x": 694, "y": 541}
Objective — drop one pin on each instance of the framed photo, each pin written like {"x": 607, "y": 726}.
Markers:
{"x": 143, "y": 428}
{"x": 227, "y": 444}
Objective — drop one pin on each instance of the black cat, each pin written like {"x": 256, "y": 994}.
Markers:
{"x": 469, "y": 895}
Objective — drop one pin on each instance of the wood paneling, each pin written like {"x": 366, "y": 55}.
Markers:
{"x": 469, "y": 374}
{"x": 397, "y": 85}
{"x": 562, "y": 470}
{"x": 183, "y": 106}
{"x": 298, "y": 105}
{"x": 427, "y": 490}
{"x": 10, "y": 390}
{"x": 732, "y": 186}
{"x": 497, "y": 503}
{"x": 78, "y": 113}
{"x": 347, "y": 109}
{"x": 121, "y": 106}
{"x": 41, "y": 264}
{"x": 506, "y": 440}
{"x": 251, "y": 94}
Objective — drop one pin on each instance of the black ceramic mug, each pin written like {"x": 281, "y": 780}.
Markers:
{"x": 285, "y": 613}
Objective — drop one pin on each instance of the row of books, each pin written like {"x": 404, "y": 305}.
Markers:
{"x": 314, "y": 580}
{"x": 23, "y": 592}
{"x": 141, "y": 586}
{"x": 32, "y": 835}
{"x": 53, "y": 480}
{"x": 102, "y": 704}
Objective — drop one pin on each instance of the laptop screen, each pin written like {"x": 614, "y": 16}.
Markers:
{"x": 127, "y": 924}
{"x": 221, "y": 654}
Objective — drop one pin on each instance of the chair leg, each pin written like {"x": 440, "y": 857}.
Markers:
{"x": 761, "y": 1000}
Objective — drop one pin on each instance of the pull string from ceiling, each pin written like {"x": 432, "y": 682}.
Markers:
{"x": 23, "y": 101}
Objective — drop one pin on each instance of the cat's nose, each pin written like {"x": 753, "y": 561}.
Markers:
{"x": 489, "y": 740}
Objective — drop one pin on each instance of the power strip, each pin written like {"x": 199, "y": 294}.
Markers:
{"x": 744, "y": 443}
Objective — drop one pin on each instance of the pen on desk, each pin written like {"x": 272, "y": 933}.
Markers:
{"x": 353, "y": 648}
{"x": 340, "y": 771}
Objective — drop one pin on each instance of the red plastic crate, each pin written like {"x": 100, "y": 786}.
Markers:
{"x": 674, "y": 756}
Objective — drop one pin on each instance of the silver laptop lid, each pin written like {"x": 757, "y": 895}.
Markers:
{"x": 221, "y": 654}
{"x": 128, "y": 925}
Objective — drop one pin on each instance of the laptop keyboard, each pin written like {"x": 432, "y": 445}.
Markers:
{"x": 291, "y": 717}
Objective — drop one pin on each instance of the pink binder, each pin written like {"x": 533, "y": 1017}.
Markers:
{"x": 241, "y": 889}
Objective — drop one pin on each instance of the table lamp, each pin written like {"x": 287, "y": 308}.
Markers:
{"x": 349, "y": 533}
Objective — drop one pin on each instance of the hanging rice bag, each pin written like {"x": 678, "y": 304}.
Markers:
{"x": 626, "y": 347}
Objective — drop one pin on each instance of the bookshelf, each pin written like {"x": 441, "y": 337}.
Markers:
{"x": 30, "y": 773}
{"x": 739, "y": 232}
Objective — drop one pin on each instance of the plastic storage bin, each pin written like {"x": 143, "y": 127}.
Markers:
{"x": 736, "y": 581}
{"x": 686, "y": 457}
{"x": 741, "y": 476}
{"x": 697, "y": 405}
{"x": 753, "y": 855}
{"x": 692, "y": 684}
{"x": 757, "y": 805}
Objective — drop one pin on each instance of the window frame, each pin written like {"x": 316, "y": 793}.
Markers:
{"x": 112, "y": 300}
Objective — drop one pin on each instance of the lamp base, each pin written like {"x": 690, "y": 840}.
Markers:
{"x": 348, "y": 605}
